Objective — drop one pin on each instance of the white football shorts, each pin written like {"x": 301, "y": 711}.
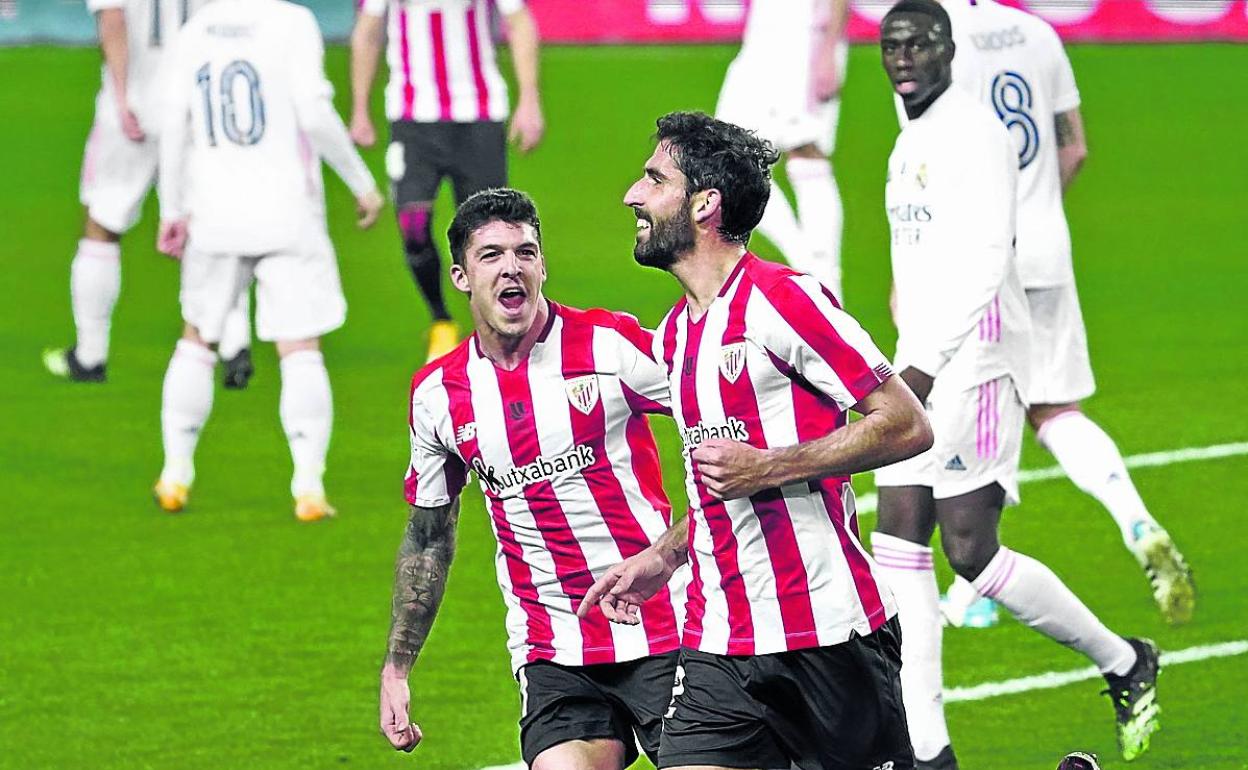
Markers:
{"x": 1061, "y": 370}
{"x": 978, "y": 441}
{"x": 778, "y": 106}
{"x": 298, "y": 293}
{"x": 116, "y": 172}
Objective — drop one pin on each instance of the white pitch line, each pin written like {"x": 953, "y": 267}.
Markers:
{"x": 867, "y": 503}
{"x": 1054, "y": 679}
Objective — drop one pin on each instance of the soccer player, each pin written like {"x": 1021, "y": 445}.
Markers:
{"x": 249, "y": 118}
{"x": 446, "y": 103}
{"x": 785, "y": 83}
{"x": 791, "y": 648}
{"x": 963, "y": 337}
{"x": 547, "y": 404}
{"x": 1014, "y": 62}
{"x": 118, "y": 169}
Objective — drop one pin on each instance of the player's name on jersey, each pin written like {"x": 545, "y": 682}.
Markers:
{"x": 575, "y": 460}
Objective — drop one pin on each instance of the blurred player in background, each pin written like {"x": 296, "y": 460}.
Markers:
{"x": 118, "y": 170}
{"x": 785, "y": 84}
{"x": 1015, "y": 63}
{"x": 249, "y": 116}
{"x": 547, "y": 405}
{"x": 446, "y": 103}
{"x": 791, "y": 649}
{"x": 963, "y": 347}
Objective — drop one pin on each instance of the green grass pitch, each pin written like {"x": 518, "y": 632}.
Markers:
{"x": 231, "y": 637}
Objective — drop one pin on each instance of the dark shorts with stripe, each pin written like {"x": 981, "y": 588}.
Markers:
{"x": 606, "y": 700}
{"x": 822, "y": 708}
{"x": 472, "y": 155}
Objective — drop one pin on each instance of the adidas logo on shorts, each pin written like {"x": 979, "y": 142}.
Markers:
{"x": 955, "y": 464}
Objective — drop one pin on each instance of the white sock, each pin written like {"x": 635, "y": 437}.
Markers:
{"x": 1092, "y": 461}
{"x": 185, "y": 405}
{"x": 1036, "y": 596}
{"x": 779, "y": 225}
{"x": 94, "y": 283}
{"x": 821, "y": 215}
{"x": 236, "y": 334}
{"x": 307, "y": 411}
{"x": 907, "y": 569}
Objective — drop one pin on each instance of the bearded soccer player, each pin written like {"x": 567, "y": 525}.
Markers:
{"x": 547, "y": 405}
{"x": 785, "y": 83}
{"x": 1014, "y": 62}
{"x": 118, "y": 171}
{"x": 791, "y": 648}
{"x": 446, "y": 102}
{"x": 963, "y": 337}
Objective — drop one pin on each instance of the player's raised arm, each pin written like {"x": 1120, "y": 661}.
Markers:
{"x": 420, "y": 573}
{"x": 367, "y": 39}
{"x": 321, "y": 123}
{"x": 527, "y": 123}
{"x": 111, "y": 24}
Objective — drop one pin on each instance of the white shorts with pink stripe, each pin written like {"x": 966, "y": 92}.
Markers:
{"x": 978, "y": 439}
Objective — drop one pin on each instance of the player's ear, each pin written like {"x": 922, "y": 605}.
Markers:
{"x": 459, "y": 278}
{"x": 705, "y": 204}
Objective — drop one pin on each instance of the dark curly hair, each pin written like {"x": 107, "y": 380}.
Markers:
{"x": 929, "y": 8}
{"x": 716, "y": 155}
{"x": 497, "y": 203}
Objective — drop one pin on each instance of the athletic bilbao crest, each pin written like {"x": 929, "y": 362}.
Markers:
{"x": 583, "y": 393}
{"x": 732, "y": 361}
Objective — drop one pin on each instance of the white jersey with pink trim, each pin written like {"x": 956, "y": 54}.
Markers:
{"x": 773, "y": 362}
{"x": 151, "y": 26}
{"x": 442, "y": 59}
{"x": 248, "y": 117}
{"x": 1014, "y": 62}
{"x": 961, "y": 312}
{"x": 570, "y": 473}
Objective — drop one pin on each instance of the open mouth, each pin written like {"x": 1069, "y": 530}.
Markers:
{"x": 512, "y": 298}
{"x": 905, "y": 86}
{"x": 643, "y": 226}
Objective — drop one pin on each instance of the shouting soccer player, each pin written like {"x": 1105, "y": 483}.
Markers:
{"x": 446, "y": 102}
{"x": 1014, "y": 62}
{"x": 249, "y": 117}
{"x": 963, "y": 337}
{"x": 118, "y": 169}
{"x": 791, "y": 648}
{"x": 785, "y": 83}
{"x": 547, "y": 405}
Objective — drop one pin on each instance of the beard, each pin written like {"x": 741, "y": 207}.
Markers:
{"x": 669, "y": 238}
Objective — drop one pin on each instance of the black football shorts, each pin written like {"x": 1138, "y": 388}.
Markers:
{"x": 421, "y": 155}
{"x": 822, "y": 708}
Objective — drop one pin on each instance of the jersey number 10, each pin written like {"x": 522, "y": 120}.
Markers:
{"x": 236, "y": 69}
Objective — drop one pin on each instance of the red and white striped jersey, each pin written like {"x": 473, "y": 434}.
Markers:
{"x": 570, "y": 473}
{"x": 773, "y": 362}
{"x": 441, "y": 59}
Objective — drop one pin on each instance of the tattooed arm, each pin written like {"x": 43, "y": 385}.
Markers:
{"x": 1072, "y": 145}
{"x": 420, "y": 573}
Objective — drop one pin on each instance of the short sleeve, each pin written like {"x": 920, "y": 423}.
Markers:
{"x": 642, "y": 373}
{"x": 435, "y": 476}
{"x": 823, "y": 344}
{"x": 372, "y": 7}
{"x": 1065, "y": 90}
{"x": 508, "y": 7}
{"x": 95, "y": 6}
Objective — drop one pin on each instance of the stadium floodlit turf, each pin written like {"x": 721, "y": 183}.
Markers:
{"x": 232, "y": 637}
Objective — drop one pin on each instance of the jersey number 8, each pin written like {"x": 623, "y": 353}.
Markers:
{"x": 1011, "y": 97}
{"x": 236, "y": 69}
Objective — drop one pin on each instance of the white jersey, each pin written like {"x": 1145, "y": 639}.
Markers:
{"x": 151, "y": 26}
{"x": 442, "y": 60}
{"x": 1014, "y": 62}
{"x": 569, "y": 471}
{"x": 951, "y": 197}
{"x": 773, "y": 362}
{"x": 248, "y": 117}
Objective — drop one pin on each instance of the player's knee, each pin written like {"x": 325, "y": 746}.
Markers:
{"x": 94, "y": 231}
{"x": 968, "y": 552}
{"x": 1039, "y": 414}
{"x": 416, "y": 227}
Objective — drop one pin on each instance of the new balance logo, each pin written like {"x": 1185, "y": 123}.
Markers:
{"x": 955, "y": 464}
{"x": 465, "y": 432}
